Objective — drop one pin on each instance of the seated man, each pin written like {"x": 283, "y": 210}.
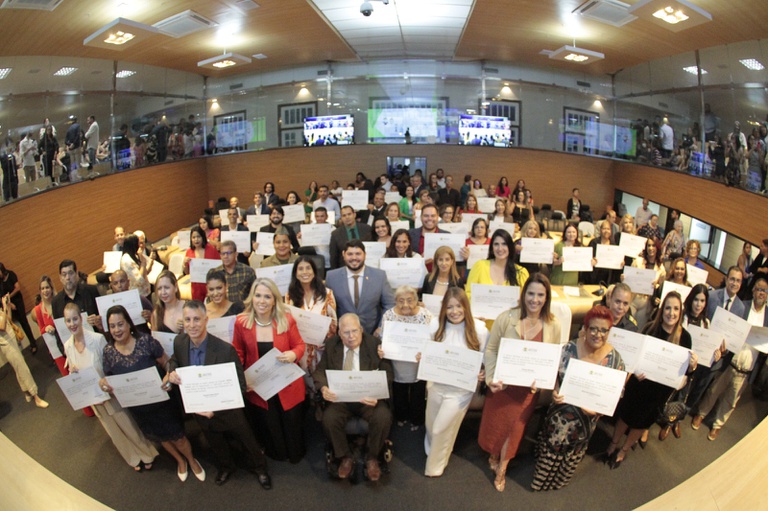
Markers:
{"x": 196, "y": 347}
{"x": 354, "y": 350}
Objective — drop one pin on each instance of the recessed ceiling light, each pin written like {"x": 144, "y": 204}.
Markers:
{"x": 674, "y": 15}
{"x": 65, "y": 71}
{"x": 125, "y": 73}
{"x": 574, "y": 54}
{"x": 752, "y": 64}
{"x": 5, "y": 72}
{"x": 119, "y": 34}
{"x": 694, "y": 70}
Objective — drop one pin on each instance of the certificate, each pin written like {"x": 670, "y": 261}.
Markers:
{"x": 224, "y": 216}
{"x": 697, "y": 275}
{"x": 734, "y": 329}
{"x": 639, "y": 280}
{"x": 495, "y": 225}
{"x": 266, "y": 241}
{"x": 184, "y": 236}
{"x": 112, "y": 261}
{"x": 628, "y": 344}
{"x": 130, "y": 299}
{"x": 488, "y": 300}
{"x": 82, "y": 388}
{"x": 402, "y": 341}
{"x": 704, "y": 343}
{"x": 403, "y": 271}
{"x": 294, "y": 213}
{"x": 469, "y": 218}
{"x": 210, "y": 388}
{"x": 53, "y": 346}
{"x": 315, "y": 235}
{"x": 525, "y": 363}
{"x": 268, "y": 376}
{"x": 671, "y": 286}
{"x": 416, "y": 218}
{"x": 476, "y": 253}
{"x": 455, "y": 228}
{"x": 537, "y": 250}
{"x": 63, "y": 331}
{"x": 313, "y": 327}
{"x": 138, "y": 388}
{"x": 199, "y": 268}
{"x": 352, "y": 386}
{"x": 450, "y": 365}
{"x": 631, "y": 244}
{"x": 432, "y": 303}
{"x": 486, "y": 204}
{"x": 157, "y": 269}
{"x": 609, "y": 256}
{"x": 435, "y": 240}
{"x": 357, "y": 199}
{"x": 280, "y": 275}
{"x": 331, "y": 220}
{"x": 758, "y": 338}
{"x": 242, "y": 239}
{"x": 592, "y": 386}
{"x": 577, "y": 259}
{"x": 399, "y": 224}
{"x": 256, "y": 222}
{"x": 166, "y": 340}
{"x": 390, "y": 197}
{"x": 663, "y": 362}
{"x": 223, "y": 328}
{"x": 374, "y": 250}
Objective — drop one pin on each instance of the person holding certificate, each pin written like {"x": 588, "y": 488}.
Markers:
{"x": 558, "y": 276}
{"x": 530, "y": 229}
{"x": 135, "y": 265}
{"x": 644, "y": 399}
{"x": 444, "y": 274}
{"x": 446, "y": 404}
{"x": 603, "y": 276}
{"x": 308, "y": 292}
{"x": 264, "y": 325}
{"x": 392, "y": 213}
{"x": 218, "y": 305}
{"x": 567, "y": 429}
{"x": 649, "y": 259}
{"x": 382, "y": 230}
{"x": 44, "y": 317}
{"x": 407, "y": 204}
{"x": 520, "y": 211}
{"x": 470, "y": 206}
{"x": 409, "y": 393}
{"x": 199, "y": 249}
{"x": 86, "y": 349}
{"x": 500, "y": 212}
{"x": 400, "y": 246}
{"x": 211, "y": 232}
{"x": 509, "y": 408}
{"x": 160, "y": 422}
{"x": 283, "y": 253}
{"x": 678, "y": 274}
{"x": 167, "y": 316}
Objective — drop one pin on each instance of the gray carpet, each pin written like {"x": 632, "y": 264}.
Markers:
{"x": 75, "y": 448}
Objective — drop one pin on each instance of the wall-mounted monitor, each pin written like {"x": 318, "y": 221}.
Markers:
{"x": 329, "y": 130}
{"x": 484, "y": 130}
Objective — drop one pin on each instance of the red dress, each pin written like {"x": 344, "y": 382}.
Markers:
{"x": 199, "y": 289}
{"x": 43, "y": 321}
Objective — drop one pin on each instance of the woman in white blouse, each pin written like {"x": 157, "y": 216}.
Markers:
{"x": 135, "y": 265}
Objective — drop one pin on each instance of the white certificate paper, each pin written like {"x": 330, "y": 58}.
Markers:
{"x": 537, "y": 250}
{"x": 374, "y": 250}
{"x": 697, "y": 275}
{"x": 210, "y": 388}
{"x": 138, "y": 388}
{"x": 663, "y": 362}
{"x": 639, "y": 280}
{"x": 199, "y": 268}
{"x": 313, "y": 327}
{"x": 593, "y": 387}
{"x": 476, "y": 253}
{"x": 704, "y": 342}
{"x": 294, "y": 213}
{"x": 450, "y": 365}
{"x": 609, "y": 256}
{"x": 63, "y": 331}
{"x": 130, "y": 299}
{"x": 390, "y": 197}
{"x": 403, "y": 271}
{"x": 266, "y": 241}
{"x": 486, "y": 204}
{"x": 631, "y": 244}
{"x": 402, "y": 341}
{"x": 166, "y": 340}
{"x": 268, "y": 376}
{"x": 455, "y": 228}
{"x": 469, "y": 218}
{"x": 184, "y": 236}
{"x": 358, "y": 199}
{"x": 758, "y": 338}
{"x": 256, "y": 222}
{"x": 280, "y": 275}
{"x": 399, "y": 224}
{"x": 734, "y": 329}
{"x": 316, "y": 235}
{"x": 53, "y": 347}
{"x": 495, "y": 225}
{"x": 524, "y": 363}
{"x": 628, "y": 344}
{"x": 435, "y": 240}
{"x": 352, "y": 386}
{"x": 82, "y": 388}
{"x": 577, "y": 259}
{"x": 668, "y": 287}
{"x": 223, "y": 328}
{"x": 488, "y": 300}
{"x": 432, "y": 303}
{"x": 242, "y": 239}
{"x": 112, "y": 261}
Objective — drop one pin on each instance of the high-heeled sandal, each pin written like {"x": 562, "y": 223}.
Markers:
{"x": 493, "y": 463}
{"x": 609, "y": 454}
{"x": 616, "y": 462}
{"x": 500, "y": 482}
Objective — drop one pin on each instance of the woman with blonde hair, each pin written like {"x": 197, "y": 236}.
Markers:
{"x": 444, "y": 274}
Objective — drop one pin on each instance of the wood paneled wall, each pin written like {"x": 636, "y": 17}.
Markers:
{"x": 77, "y": 222}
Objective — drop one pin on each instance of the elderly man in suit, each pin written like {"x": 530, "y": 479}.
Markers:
{"x": 197, "y": 347}
{"x": 360, "y": 289}
{"x": 348, "y": 229}
{"x": 354, "y": 350}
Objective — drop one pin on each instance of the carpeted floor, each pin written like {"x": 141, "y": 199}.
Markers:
{"x": 76, "y": 448}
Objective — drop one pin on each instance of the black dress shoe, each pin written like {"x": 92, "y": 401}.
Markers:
{"x": 222, "y": 477}
{"x": 265, "y": 481}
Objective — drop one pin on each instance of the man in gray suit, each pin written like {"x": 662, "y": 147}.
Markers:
{"x": 196, "y": 347}
{"x": 359, "y": 289}
{"x": 349, "y": 229}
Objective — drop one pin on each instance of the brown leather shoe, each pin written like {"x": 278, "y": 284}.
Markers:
{"x": 696, "y": 422}
{"x": 373, "y": 469}
{"x": 713, "y": 434}
{"x": 664, "y": 433}
{"x": 345, "y": 467}
{"x": 676, "y": 430}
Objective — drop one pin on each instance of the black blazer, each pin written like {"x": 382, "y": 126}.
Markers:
{"x": 428, "y": 286}
{"x": 339, "y": 241}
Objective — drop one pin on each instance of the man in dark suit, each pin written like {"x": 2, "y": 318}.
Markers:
{"x": 449, "y": 195}
{"x": 196, "y": 347}
{"x": 375, "y": 210}
{"x": 429, "y": 219}
{"x": 354, "y": 350}
{"x": 275, "y": 223}
{"x": 359, "y": 289}
{"x": 260, "y": 206}
{"x": 348, "y": 229}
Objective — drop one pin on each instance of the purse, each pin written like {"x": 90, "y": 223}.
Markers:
{"x": 17, "y": 331}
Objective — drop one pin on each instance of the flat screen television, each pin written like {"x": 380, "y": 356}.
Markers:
{"x": 484, "y": 130}
{"x": 329, "y": 130}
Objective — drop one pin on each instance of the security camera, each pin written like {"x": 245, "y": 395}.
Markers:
{"x": 366, "y": 8}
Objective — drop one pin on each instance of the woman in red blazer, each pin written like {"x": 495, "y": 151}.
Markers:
{"x": 266, "y": 325}
{"x": 199, "y": 248}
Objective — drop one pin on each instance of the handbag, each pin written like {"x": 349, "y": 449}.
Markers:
{"x": 17, "y": 331}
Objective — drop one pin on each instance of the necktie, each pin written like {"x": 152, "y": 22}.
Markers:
{"x": 357, "y": 290}
{"x": 349, "y": 360}
{"x": 353, "y": 233}
{"x": 728, "y": 304}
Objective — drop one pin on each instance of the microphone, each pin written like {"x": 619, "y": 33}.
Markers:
{"x": 601, "y": 290}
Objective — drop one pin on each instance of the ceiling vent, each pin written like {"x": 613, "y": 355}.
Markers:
{"x": 183, "y": 24}
{"x": 245, "y": 5}
{"x": 611, "y": 12}
{"x": 38, "y": 5}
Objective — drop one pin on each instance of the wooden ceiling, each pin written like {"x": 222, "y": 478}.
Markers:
{"x": 292, "y": 33}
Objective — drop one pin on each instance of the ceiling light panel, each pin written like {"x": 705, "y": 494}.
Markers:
{"x": 224, "y": 61}
{"x": 575, "y": 54}
{"x": 752, "y": 64}
{"x": 4, "y": 72}
{"x": 694, "y": 70}
{"x": 125, "y": 73}
{"x": 674, "y": 15}
{"x": 65, "y": 71}
{"x": 120, "y": 34}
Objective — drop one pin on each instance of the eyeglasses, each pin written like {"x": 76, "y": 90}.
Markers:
{"x": 594, "y": 330}
{"x": 350, "y": 333}
{"x": 228, "y": 253}
{"x": 760, "y": 290}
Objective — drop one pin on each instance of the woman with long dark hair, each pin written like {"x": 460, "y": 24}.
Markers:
{"x": 199, "y": 248}
{"x": 134, "y": 264}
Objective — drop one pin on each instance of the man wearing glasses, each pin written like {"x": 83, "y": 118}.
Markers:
{"x": 239, "y": 276}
